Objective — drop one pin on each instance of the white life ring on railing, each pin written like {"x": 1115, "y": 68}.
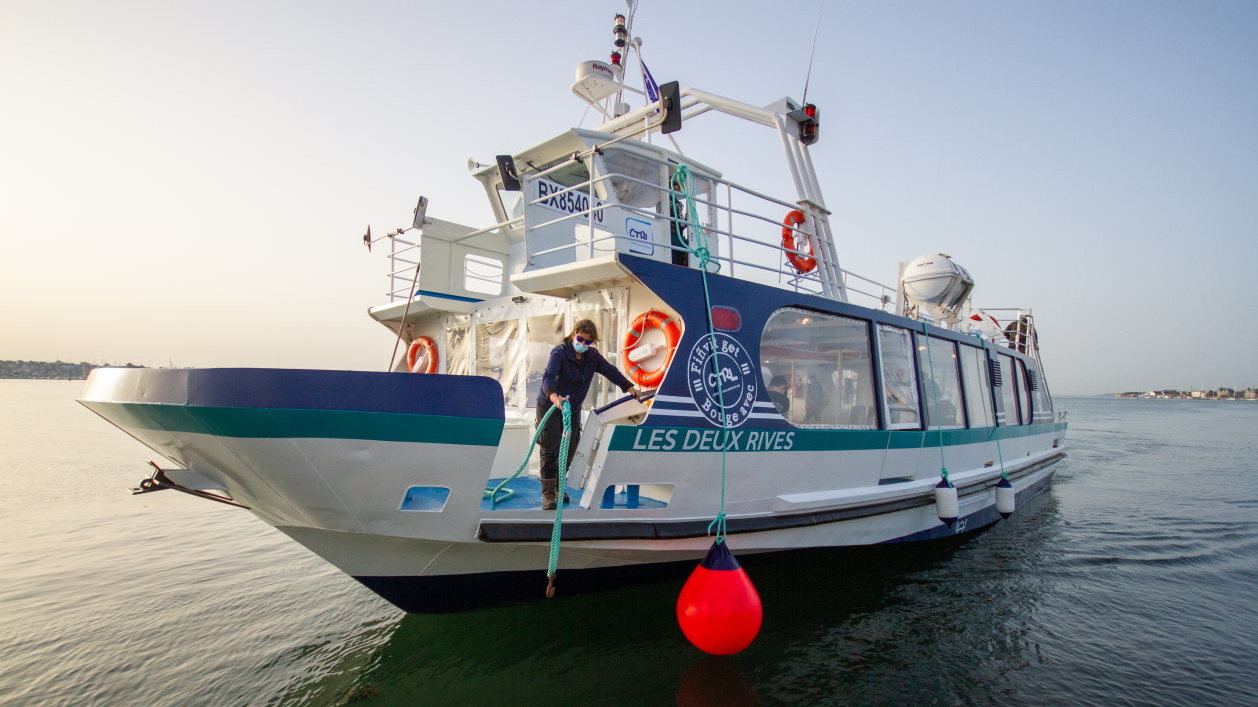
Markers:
{"x": 421, "y": 357}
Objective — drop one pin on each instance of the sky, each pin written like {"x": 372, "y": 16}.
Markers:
{"x": 186, "y": 183}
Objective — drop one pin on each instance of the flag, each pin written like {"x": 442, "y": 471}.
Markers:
{"x": 648, "y": 81}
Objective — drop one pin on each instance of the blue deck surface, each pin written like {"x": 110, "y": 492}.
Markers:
{"x": 528, "y": 494}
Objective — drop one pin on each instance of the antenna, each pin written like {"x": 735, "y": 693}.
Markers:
{"x": 812, "y": 52}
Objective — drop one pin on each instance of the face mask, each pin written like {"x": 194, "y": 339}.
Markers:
{"x": 579, "y": 347}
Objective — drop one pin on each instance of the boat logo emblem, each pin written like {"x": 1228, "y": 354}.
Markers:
{"x": 722, "y": 379}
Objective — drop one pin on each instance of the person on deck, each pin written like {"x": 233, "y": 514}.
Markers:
{"x": 778, "y": 386}
{"x": 568, "y": 375}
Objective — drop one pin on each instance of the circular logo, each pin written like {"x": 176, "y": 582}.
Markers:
{"x": 722, "y": 379}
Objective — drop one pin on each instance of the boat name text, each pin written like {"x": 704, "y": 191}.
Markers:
{"x": 665, "y": 440}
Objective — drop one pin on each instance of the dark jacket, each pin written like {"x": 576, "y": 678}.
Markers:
{"x": 568, "y": 376}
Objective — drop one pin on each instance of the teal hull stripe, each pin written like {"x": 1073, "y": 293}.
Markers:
{"x": 268, "y": 423}
{"x": 689, "y": 439}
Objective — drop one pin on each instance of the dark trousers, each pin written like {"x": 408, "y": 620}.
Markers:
{"x": 552, "y": 437}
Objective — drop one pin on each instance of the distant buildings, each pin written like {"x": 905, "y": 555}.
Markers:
{"x": 1216, "y": 394}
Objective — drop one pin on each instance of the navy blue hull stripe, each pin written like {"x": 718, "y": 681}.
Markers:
{"x": 298, "y": 389}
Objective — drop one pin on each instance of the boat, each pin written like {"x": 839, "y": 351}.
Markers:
{"x": 795, "y": 404}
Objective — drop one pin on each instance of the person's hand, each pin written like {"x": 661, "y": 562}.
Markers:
{"x": 557, "y": 399}
{"x": 636, "y": 393}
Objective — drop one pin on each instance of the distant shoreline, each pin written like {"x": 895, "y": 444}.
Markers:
{"x": 1240, "y": 396}
{"x": 51, "y": 370}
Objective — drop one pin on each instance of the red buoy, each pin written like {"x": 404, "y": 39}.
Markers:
{"x": 719, "y": 608}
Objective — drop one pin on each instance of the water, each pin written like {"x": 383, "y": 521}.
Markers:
{"x": 1131, "y": 582}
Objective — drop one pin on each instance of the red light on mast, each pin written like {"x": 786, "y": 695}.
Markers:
{"x": 809, "y": 124}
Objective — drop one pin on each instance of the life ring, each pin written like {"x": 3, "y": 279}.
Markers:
{"x": 421, "y": 357}
{"x": 802, "y": 263}
{"x": 650, "y": 319}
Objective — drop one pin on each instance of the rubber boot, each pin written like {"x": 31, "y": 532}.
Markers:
{"x": 550, "y": 489}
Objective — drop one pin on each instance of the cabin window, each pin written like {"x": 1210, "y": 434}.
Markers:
{"x": 498, "y": 356}
{"x": 482, "y": 274}
{"x": 1008, "y": 392}
{"x": 569, "y": 175}
{"x": 899, "y": 384}
{"x": 458, "y": 349}
{"x": 978, "y": 391}
{"x": 627, "y": 173}
{"x": 818, "y": 369}
{"x": 1041, "y": 402}
{"x": 937, "y": 362}
{"x": 1024, "y": 394}
{"x": 512, "y": 203}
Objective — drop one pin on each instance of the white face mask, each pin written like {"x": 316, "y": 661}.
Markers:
{"x": 579, "y": 347}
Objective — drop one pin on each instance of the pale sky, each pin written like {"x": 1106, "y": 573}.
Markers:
{"x": 187, "y": 182}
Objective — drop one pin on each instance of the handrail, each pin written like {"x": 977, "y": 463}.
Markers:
{"x": 718, "y": 217}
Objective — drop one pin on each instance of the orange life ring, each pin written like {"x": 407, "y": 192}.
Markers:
{"x": 421, "y": 357}
{"x": 802, "y": 263}
{"x": 650, "y": 319}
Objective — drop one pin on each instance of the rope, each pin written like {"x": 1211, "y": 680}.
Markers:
{"x": 492, "y": 494}
{"x": 553, "y": 563}
{"x": 934, "y": 394}
{"x": 698, "y": 246}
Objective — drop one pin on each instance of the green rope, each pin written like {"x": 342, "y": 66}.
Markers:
{"x": 934, "y": 394}
{"x": 492, "y": 494}
{"x": 555, "y": 529}
{"x": 698, "y": 246}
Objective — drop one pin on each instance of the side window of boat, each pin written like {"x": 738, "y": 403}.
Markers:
{"x": 1024, "y": 394}
{"x": 899, "y": 380}
{"x": 1041, "y": 401}
{"x": 818, "y": 369}
{"x": 978, "y": 391}
{"x": 635, "y": 180}
{"x": 941, "y": 384}
{"x": 1008, "y": 392}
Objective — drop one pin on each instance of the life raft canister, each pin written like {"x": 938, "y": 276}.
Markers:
{"x": 650, "y": 319}
{"x": 802, "y": 263}
{"x": 421, "y": 357}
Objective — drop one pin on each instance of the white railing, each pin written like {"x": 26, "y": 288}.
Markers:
{"x": 403, "y": 268}
{"x": 747, "y": 242}
{"x": 744, "y": 228}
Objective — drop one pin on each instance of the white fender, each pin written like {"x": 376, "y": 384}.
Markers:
{"x": 946, "y": 504}
{"x": 1006, "y": 498}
